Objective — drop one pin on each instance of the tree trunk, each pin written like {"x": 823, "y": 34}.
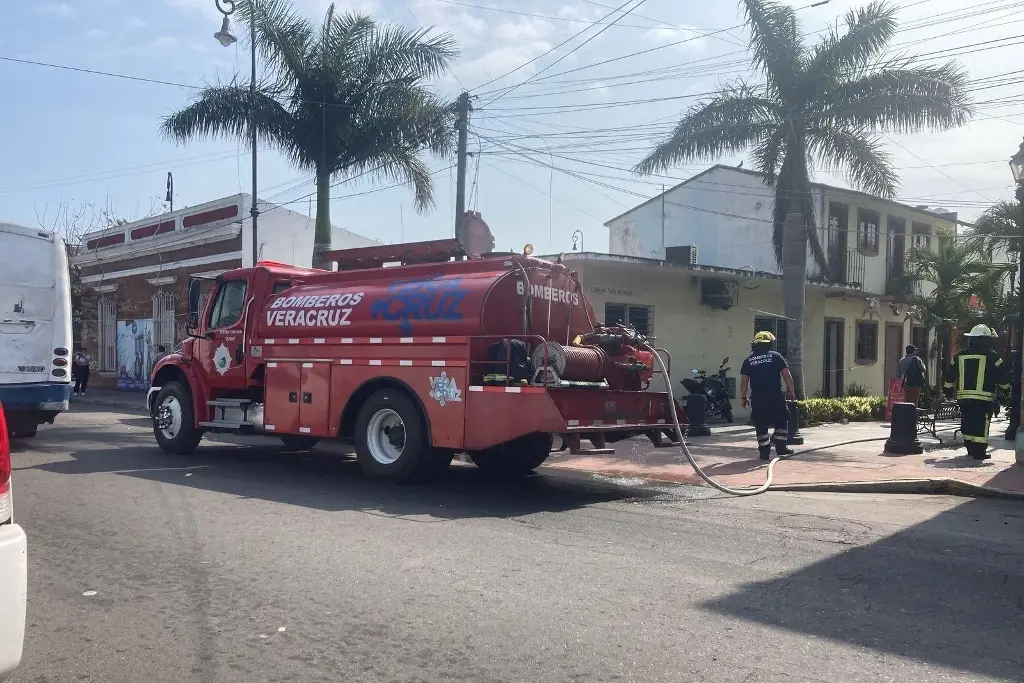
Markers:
{"x": 794, "y": 279}
{"x": 322, "y": 235}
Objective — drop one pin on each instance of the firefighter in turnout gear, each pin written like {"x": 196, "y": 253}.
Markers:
{"x": 976, "y": 374}
{"x": 761, "y": 378}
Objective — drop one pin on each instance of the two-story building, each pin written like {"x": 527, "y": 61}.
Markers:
{"x": 134, "y": 277}
{"x": 695, "y": 267}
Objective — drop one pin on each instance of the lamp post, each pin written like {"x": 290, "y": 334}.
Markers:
{"x": 577, "y": 237}
{"x": 226, "y": 38}
{"x": 1017, "y": 168}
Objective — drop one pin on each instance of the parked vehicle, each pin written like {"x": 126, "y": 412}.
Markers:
{"x": 13, "y": 566}
{"x": 447, "y": 352}
{"x": 714, "y": 389}
{"x": 35, "y": 327}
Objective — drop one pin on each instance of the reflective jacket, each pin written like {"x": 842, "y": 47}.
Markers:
{"x": 976, "y": 375}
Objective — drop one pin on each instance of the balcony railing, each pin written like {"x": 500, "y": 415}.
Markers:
{"x": 897, "y": 280}
{"x": 846, "y": 267}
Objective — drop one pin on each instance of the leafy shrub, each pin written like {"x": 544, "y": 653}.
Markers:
{"x": 815, "y": 411}
{"x": 855, "y": 389}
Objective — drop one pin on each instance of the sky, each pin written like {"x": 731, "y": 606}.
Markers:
{"x": 550, "y": 157}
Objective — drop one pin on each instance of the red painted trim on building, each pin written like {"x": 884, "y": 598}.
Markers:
{"x": 105, "y": 241}
{"x": 155, "y": 229}
{"x": 210, "y": 216}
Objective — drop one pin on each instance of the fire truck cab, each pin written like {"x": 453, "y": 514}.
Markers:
{"x": 412, "y": 353}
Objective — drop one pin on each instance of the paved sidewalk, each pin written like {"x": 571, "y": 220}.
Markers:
{"x": 730, "y": 456}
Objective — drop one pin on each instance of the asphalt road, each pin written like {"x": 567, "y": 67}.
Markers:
{"x": 250, "y": 564}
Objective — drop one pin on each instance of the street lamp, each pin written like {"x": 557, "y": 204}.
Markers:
{"x": 1017, "y": 169}
{"x": 226, "y": 38}
{"x": 577, "y": 236}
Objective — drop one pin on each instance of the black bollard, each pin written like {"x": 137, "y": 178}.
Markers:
{"x": 903, "y": 431}
{"x": 697, "y": 415}
{"x": 795, "y": 438}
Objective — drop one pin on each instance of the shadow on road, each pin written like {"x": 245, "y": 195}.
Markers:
{"x": 332, "y": 482}
{"x": 888, "y": 596}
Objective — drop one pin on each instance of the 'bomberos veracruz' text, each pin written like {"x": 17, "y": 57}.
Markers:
{"x": 326, "y": 310}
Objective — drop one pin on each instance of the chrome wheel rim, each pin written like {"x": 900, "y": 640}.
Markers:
{"x": 385, "y": 436}
{"x": 168, "y": 417}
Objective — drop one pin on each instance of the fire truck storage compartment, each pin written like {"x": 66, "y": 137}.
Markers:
{"x": 298, "y": 397}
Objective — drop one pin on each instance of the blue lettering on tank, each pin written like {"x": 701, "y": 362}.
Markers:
{"x": 431, "y": 300}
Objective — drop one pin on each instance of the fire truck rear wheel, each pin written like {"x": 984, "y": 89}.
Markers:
{"x": 391, "y": 439}
{"x": 174, "y": 421}
{"x": 517, "y": 458}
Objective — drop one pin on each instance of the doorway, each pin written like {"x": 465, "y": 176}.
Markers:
{"x": 893, "y": 351}
{"x": 833, "y": 376}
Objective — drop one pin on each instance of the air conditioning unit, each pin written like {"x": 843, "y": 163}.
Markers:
{"x": 686, "y": 254}
{"x": 720, "y": 294}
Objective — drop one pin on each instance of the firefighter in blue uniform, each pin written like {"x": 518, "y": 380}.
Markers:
{"x": 761, "y": 378}
{"x": 976, "y": 374}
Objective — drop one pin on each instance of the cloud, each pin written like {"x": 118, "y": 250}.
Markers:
{"x": 668, "y": 35}
{"x": 58, "y": 9}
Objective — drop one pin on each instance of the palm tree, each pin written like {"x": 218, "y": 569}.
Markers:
{"x": 958, "y": 269}
{"x": 823, "y": 106}
{"x": 344, "y": 99}
{"x": 1001, "y": 227}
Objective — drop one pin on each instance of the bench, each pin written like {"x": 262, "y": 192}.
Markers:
{"x": 941, "y": 411}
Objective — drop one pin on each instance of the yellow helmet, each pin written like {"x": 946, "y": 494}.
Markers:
{"x": 980, "y": 331}
{"x": 764, "y": 337}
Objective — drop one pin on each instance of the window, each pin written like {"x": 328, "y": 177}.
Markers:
{"x": 919, "y": 338}
{"x": 227, "y": 308}
{"x": 107, "y": 319}
{"x": 922, "y": 236}
{"x": 867, "y": 342}
{"x": 163, "y": 320}
{"x": 281, "y": 286}
{"x": 639, "y": 317}
{"x": 776, "y": 326}
{"x": 867, "y": 232}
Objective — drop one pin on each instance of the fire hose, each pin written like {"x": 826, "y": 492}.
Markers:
{"x": 703, "y": 475}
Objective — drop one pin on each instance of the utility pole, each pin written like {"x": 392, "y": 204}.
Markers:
{"x": 463, "y": 109}
{"x": 664, "y": 253}
{"x": 170, "y": 191}
{"x": 255, "y": 211}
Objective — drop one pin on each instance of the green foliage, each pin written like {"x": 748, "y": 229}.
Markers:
{"x": 854, "y": 389}
{"x": 346, "y": 98}
{"x": 816, "y": 411}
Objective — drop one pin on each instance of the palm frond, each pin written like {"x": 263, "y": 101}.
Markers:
{"x": 227, "y": 112}
{"x": 858, "y": 155}
{"x": 1001, "y": 225}
{"x": 731, "y": 121}
{"x": 868, "y": 30}
{"x": 900, "y": 99}
{"x": 776, "y": 45}
{"x": 283, "y": 37}
{"x": 767, "y": 154}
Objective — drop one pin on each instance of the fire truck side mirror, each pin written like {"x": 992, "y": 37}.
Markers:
{"x": 192, "y": 320}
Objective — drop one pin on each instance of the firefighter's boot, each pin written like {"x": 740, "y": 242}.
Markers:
{"x": 782, "y": 449}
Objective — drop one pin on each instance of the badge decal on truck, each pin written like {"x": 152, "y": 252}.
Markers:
{"x": 222, "y": 359}
{"x": 444, "y": 390}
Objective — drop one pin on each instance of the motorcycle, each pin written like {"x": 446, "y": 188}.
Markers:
{"x": 714, "y": 390}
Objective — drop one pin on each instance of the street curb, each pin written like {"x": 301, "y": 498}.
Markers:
{"x": 939, "y": 486}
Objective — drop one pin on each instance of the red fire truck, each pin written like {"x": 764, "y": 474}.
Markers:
{"x": 413, "y": 352}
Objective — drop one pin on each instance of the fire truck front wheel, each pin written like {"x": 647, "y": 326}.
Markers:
{"x": 517, "y": 458}
{"x": 173, "y": 420}
{"x": 391, "y": 439}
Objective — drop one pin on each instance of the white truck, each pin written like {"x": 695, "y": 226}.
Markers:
{"x": 35, "y": 327}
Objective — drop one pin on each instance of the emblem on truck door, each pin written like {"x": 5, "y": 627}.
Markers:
{"x": 222, "y": 359}
{"x": 443, "y": 389}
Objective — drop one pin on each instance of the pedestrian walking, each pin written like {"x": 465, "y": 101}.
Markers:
{"x": 761, "y": 377}
{"x": 80, "y": 371}
{"x": 975, "y": 374}
{"x": 913, "y": 373}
